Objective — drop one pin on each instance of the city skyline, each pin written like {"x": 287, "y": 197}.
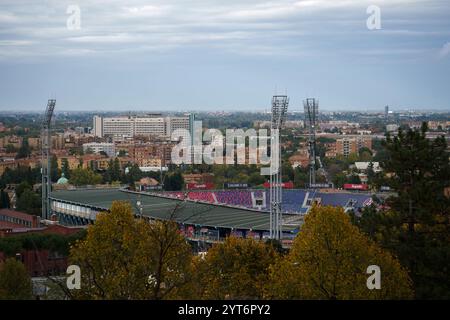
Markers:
{"x": 186, "y": 56}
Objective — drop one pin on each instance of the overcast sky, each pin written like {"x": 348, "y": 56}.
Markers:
{"x": 223, "y": 55}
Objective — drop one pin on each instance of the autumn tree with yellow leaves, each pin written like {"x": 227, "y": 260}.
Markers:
{"x": 329, "y": 260}
{"x": 235, "y": 269}
{"x": 127, "y": 258}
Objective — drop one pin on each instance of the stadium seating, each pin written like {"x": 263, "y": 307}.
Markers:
{"x": 205, "y": 196}
{"x": 293, "y": 199}
{"x": 241, "y": 198}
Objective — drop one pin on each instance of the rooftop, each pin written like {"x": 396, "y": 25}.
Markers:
{"x": 185, "y": 212}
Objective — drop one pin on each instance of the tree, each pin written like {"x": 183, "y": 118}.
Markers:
{"x": 173, "y": 181}
{"x": 15, "y": 283}
{"x": 21, "y": 174}
{"x": 417, "y": 228}
{"x": 24, "y": 150}
{"x": 10, "y": 148}
{"x": 29, "y": 202}
{"x": 4, "y": 199}
{"x": 365, "y": 154}
{"x": 300, "y": 177}
{"x": 116, "y": 170}
{"x": 65, "y": 168}
{"x": 22, "y": 187}
{"x": 352, "y": 157}
{"x": 127, "y": 258}
{"x": 55, "y": 172}
{"x": 256, "y": 179}
{"x": 235, "y": 269}
{"x": 339, "y": 180}
{"x": 354, "y": 179}
{"x": 82, "y": 177}
{"x": 371, "y": 175}
{"x": 329, "y": 259}
{"x": 421, "y": 172}
{"x": 113, "y": 171}
{"x": 134, "y": 174}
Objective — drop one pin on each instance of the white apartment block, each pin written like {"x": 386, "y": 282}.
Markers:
{"x": 96, "y": 147}
{"x": 130, "y": 126}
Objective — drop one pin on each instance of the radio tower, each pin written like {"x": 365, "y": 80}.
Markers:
{"x": 311, "y": 106}
{"x": 46, "y": 144}
{"x": 279, "y": 110}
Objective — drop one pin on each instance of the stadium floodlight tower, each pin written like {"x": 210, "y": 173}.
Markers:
{"x": 45, "y": 163}
{"x": 279, "y": 111}
{"x": 311, "y": 107}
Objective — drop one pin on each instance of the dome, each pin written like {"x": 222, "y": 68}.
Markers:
{"x": 62, "y": 180}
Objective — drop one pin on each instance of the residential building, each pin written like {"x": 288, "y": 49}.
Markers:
{"x": 98, "y": 147}
{"x": 151, "y": 125}
{"x": 346, "y": 146}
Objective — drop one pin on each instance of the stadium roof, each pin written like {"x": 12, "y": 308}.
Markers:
{"x": 186, "y": 212}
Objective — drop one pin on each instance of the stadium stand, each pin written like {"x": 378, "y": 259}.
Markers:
{"x": 294, "y": 200}
{"x": 241, "y": 198}
{"x": 204, "y": 196}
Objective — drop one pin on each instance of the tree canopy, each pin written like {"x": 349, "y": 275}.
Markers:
{"x": 235, "y": 269}
{"x": 15, "y": 283}
{"x": 329, "y": 260}
{"x": 127, "y": 258}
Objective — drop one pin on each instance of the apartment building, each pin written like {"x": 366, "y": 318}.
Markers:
{"x": 130, "y": 126}
{"x": 98, "y": 147}
{"x": 346, "y": 146}
{"x": 149, "y": 155}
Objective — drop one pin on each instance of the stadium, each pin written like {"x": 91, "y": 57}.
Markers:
{"x": 206, "y": 216}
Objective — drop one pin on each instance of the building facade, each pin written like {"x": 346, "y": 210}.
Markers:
{"x": 98, "y": 147}
{"x": 346, "y": 146}
{"x": 130, "y": 126}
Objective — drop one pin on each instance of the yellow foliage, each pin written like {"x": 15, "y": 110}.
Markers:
{"x": 235, "y": 269}
{"x": 127, "y": 258}
{"x": 329, "y": 260}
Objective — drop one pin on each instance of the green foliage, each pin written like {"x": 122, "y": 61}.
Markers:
{"x": 416, "y": 228}
{"x": 24, "y": 150}
{"x": 174, "y": 181}
{"x": 4, "y": 199}
{"x": 29, "y": 202}
{"x": 82, "y": 177}
{"x": 134, "y": 174}
{"x": 301, "y": 177}
{"x": 55, "y": 172}
{"x": 15, "y": 283}
{"x": 39, "y": 241}
{"x": 113, "y": 172}
{"x": 21, "y": 174}
{"x": 365, "y": 154}
{"x": 10, "y": 148}
{"x": 22, "y": 187}
{"x": 65, "y": 168}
